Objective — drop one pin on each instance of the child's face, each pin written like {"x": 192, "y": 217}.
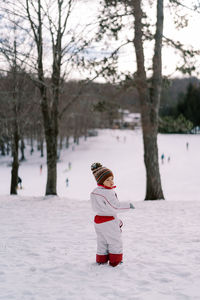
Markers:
{"x": 109, "y": 182}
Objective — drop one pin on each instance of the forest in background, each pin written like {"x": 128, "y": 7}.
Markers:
{"x": 95, "y": 107}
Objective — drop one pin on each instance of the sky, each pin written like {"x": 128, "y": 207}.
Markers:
{"x": 171, "y": 58}
{"x": 86, "y": 11}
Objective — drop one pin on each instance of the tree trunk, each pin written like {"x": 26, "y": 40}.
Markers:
{"x": 67, "y": 142}
{"x": 77, "y": 140}
{"x": 2, "y": 147}
{"x": 15, "y": 150}
{"x": 149, "y": 100}
{"x": 49, "y": 117}
{"x": 42, "y": 147}
{"x": 51, "y": 164}
{"x": 61, "y": 143}
{"x": 22, "y": 150}
{"x": 32, "y": 148}
{"x": 51, "y": 144}
{"x": 7, "y": 148}
{"x": 15, "y": 137}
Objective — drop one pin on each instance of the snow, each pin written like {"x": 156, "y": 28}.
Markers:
{"x": 48, "y": 244}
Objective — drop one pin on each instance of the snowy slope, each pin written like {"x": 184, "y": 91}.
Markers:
{"x": 180, "y": 177}
{"x": 48, "y": 244}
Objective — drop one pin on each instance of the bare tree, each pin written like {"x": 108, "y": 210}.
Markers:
{"x": 50, "y": 92}
{"x": 12, "y": 92}
{"x": 57, "y": 14}
{"x": 15, "y": 143}
{"x": 149, "y": 89}
{"x": 126, "y": 22}
{"x": 149, "y": 99}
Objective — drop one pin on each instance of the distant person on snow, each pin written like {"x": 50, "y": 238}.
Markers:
{"x": 162, "y": 158}
{"x": 19, "y": 181}
{"x": 187, "y": 145}
{"x": 107, "y": 225}
{"x": 40, "y": 169}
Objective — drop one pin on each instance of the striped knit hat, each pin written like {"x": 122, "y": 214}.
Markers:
{"x": 100, "y": 173}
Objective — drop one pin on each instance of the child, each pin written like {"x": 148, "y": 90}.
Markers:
{"x": 107, "y": 225}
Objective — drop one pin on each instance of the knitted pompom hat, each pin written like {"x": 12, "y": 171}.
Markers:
{"x": 100, "y": 173}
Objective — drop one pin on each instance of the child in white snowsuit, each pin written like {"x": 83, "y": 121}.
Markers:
{"x": 107, "y": 225}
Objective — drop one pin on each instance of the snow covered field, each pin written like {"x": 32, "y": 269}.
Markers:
{"x": 48, "y": 244}
{"x": 180, "y": 177}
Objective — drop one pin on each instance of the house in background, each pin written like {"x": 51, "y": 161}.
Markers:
{"x": 196, "y": 130}
{"x": 127, "y": 120}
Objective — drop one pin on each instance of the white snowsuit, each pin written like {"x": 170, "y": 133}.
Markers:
{"x": 107, "y": 225}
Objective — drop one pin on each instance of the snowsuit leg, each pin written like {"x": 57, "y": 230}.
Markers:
{"x": 115, "y": 243}
{"x": 102, "y": 247}
{"x": 109, "y": 241}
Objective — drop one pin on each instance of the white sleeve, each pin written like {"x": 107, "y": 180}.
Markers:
{"x": 113, "y": 203}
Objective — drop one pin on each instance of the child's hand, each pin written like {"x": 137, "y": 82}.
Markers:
{"x": 131, "y": 205}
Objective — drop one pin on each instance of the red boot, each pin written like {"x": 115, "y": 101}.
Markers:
{"x": 115, "y": 259}
{"x": 102, "y": 259}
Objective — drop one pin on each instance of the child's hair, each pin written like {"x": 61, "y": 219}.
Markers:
{"x": 100, "y": 173}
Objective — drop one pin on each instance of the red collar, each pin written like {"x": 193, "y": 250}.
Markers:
{"x": 106, "y": 187}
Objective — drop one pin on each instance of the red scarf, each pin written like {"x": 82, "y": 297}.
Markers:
{"x": 106, "y": 187}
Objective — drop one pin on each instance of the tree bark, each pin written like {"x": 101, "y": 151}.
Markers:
{"x": 41, "y": 147}
{"x": 67, "y": 142}
{"x": 15, "y": 163}
{"x": 51, "y": 164}
{"x": 2, "y": 147}
{"x": 22, "y": 147}
{"x": 51, "y": 143}
{"x": 149, "y": 100}
{"x": 15, "y": 136}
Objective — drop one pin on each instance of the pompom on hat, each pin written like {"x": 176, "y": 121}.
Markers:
{"x": 100, "y": 173}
